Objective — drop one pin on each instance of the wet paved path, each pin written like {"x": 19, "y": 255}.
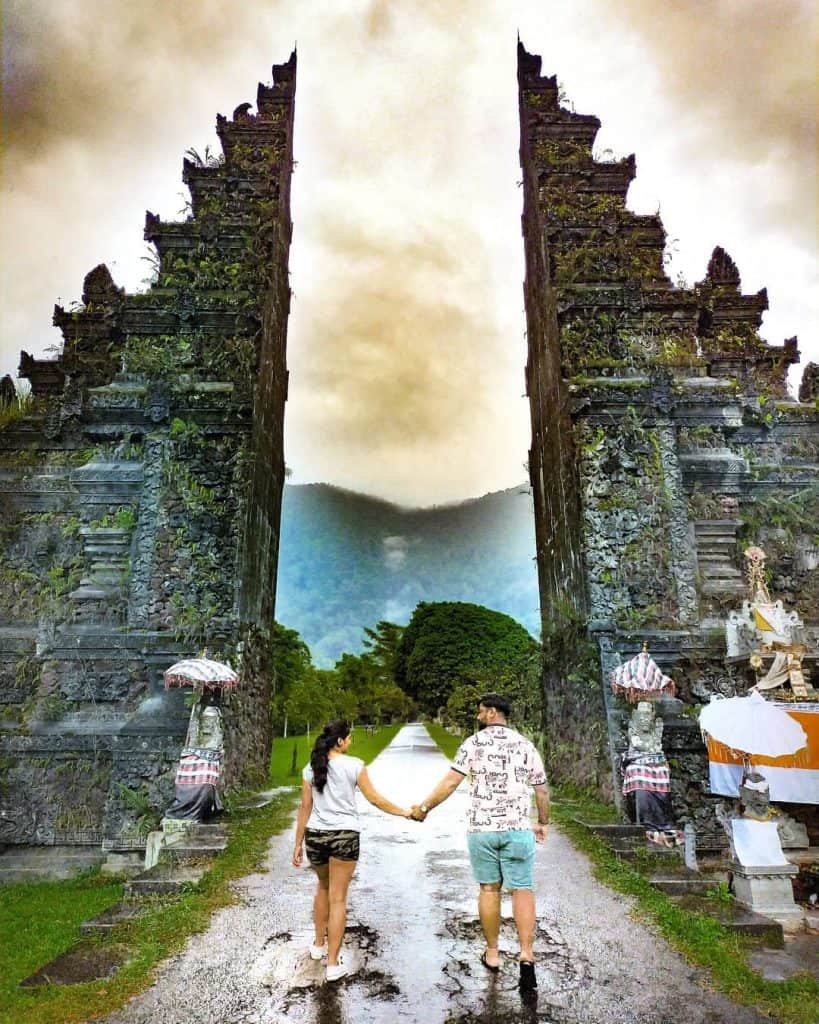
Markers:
{"x": 414, "y": 936}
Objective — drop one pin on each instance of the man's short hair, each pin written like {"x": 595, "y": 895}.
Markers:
{"x": 496, "y": 701}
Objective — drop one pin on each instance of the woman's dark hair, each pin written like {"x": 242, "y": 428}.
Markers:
{"x": 331, "y": 734}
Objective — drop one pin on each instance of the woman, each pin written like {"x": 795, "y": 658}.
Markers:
{"x": 328, "y": 827}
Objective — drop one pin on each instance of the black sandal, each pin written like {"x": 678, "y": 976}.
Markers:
{"x": 494, "y": 968}
{"x": 528, "y": 978}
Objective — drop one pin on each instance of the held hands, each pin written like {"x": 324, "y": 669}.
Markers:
{"x": 417, "y": 814}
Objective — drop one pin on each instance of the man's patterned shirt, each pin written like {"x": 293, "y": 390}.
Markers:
{"x": 501, "y": 765}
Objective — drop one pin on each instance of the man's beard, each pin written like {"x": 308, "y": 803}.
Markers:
{"x": 481, "y": 726}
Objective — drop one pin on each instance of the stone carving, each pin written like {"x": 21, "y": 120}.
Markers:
{"x": 99, "y": 287}
{"x": 722, "y": 270}
{"x": 158, "y": 403}
{"x": 740, "y": 632}
{"x": 645, "y": 731}
{"x": 683, "y": 560}
{"x": 8, "y": 392}
{"x": 809, "y": 388}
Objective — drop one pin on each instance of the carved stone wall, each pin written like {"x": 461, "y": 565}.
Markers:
{"x": 676, "y": 418}
{"x": 140, "y": 494}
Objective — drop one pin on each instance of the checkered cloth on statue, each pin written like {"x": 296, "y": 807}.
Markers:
{"x": 198, "y": 766}
{"x": 641, "y": 678}
{"x": 648, "y": 772}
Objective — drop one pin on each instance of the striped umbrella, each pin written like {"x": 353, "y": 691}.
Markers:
{"x": 641, "y": 678}
{"x": 202, "y": 673}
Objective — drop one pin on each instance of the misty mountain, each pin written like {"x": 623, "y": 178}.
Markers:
{"x": 348, "y": 560}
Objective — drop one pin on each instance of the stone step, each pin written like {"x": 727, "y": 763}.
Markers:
{"x": 213, "y": 830}
{"x": 616, "y": 831}
{"x": 163, "y": 880}
{"x": 192, "y": 849}
{"x": 683, "y": 884}
{"x": 631, "y": 849}
{"x": 263, "y": 798}
{"x": 725, "y": 587}
{"x": 735, "y": 918}
{"x": 628, "y": 841}
{"x": 120, "y": 913}
{"x": 719, "y": 567}
{"x": 34, "y": 863}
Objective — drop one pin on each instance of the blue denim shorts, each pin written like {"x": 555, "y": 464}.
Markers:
{"x": 506, "y": 857}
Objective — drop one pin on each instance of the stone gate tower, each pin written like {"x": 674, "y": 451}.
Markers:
{"x": 664, "y": 441}
{"x": 140, "y": 496}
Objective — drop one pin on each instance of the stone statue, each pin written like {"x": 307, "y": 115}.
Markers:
{"x": 755, "y": 800}
{"x": 8, "y": 392}
{"x": 645, "y": 730}
{"x": 646, "y": 778}
{"x": 197, "y": 777}
{"x": 755, "y": 797}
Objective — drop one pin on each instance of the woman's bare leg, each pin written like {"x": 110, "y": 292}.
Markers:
{"x": 341, "y": 871}
{"x": 321, "y": 903}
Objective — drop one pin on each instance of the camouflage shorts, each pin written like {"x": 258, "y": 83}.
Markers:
{"x": 321, "y": 845}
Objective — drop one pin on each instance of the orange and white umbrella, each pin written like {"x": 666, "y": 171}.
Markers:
{"x": 752, "y": 726}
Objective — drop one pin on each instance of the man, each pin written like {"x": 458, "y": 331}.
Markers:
{"x": 502, "y": 765}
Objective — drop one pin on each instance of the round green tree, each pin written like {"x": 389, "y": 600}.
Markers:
{"x": 451, "y": 647}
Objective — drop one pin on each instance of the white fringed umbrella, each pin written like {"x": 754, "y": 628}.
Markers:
{"x": 752, "y": 726}
{"x": 202, "y": 673}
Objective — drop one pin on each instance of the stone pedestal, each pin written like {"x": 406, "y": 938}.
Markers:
{"x": 768, "y": 891}
{"x": 172, "y": 832}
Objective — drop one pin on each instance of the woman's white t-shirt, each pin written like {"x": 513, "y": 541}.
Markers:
{"x": 335, "y": 807}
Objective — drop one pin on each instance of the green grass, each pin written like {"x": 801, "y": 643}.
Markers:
{"x": 45, "y": 919}
{"x": 364, "y": 745}
{"x": 447, "y": 741}
{"x": 701, "y": 939}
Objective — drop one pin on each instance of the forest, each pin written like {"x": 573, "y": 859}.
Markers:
{"x": 437, "y": 666}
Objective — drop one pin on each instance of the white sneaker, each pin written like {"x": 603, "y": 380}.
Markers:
{"x": 335, "y": 972}
{"x": 318, "y": 952}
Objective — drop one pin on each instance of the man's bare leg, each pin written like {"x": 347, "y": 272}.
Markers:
{"x": 489, "y": 904}
{"x": 523, "y": 911}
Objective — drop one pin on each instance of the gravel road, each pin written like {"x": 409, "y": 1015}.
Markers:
{"x": 414, "y": 936}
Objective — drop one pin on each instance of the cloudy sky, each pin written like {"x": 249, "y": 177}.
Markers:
{"x": 406, "y": 343}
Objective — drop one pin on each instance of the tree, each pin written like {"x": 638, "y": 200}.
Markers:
{"x": 375, "y": 698}
{"x": 312, "y": 701}
{"x": 381, "y": 647}
{"x": 291, "y": 664}
{"x": 452, "y": 645}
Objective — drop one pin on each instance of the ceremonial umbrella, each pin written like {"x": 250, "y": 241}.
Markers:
{"x": 752, "y": 726}
{"x": 641, "y": 678}
{"x": 202, "y": 673}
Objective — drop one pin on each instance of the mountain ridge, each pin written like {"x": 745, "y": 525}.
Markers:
{"x": 348, "y": 560}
